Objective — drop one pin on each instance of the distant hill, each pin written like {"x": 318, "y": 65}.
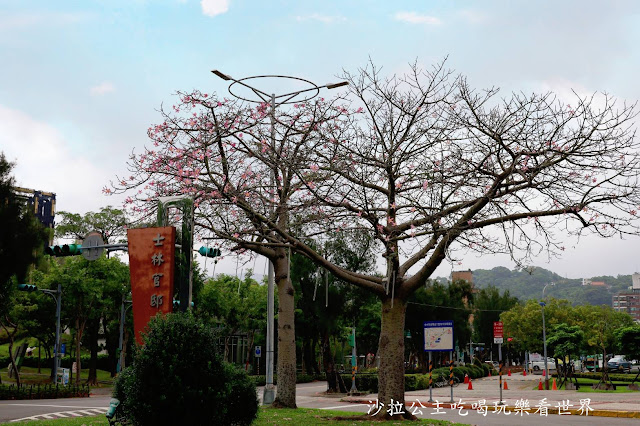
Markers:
{"x": 525, "y": 285}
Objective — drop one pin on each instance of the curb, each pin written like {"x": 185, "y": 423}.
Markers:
{"x": 467, "y": 406}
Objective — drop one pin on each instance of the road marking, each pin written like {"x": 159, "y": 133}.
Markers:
{"x": 341, "y": 406}
{"x": 74, "y": 413}
{"x": 55, "y": 406}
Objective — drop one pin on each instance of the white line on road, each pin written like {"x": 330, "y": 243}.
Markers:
{"x": 88, "y": 412}
{"x": 340, "y": 406}
{"x": 55, "y": 406}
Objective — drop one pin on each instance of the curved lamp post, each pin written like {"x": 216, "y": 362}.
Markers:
{"x": 544, "y": 340}
{"x": 274, "y": 101}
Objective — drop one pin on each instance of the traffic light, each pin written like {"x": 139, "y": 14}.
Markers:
{"x": 27, "y": 287}
{"x": 209, "y": 251}
{"x": 176, "y": 305}
{"x": 64, "y": 250}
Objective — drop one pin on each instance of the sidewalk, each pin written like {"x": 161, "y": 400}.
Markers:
{"x": 522, "y": 393}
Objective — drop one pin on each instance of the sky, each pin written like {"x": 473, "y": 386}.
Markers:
{"x": 81, "y": 81}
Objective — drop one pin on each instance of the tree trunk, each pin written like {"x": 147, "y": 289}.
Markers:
{"x": 391, "y": 355}
{"x": 249, "y": 351}
{"x": 79, "y": 331}
{"x": 329, "y": 365}
{"x": 94, "y": 330}
{"x": 286, "y": 389}
{"x": 11, "y": 354}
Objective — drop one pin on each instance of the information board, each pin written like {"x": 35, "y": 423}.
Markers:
{"x": 438, "y": 336}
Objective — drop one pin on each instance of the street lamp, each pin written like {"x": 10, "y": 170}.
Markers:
{"x": 274, "y": 101}
{"x": 544, "y": 340}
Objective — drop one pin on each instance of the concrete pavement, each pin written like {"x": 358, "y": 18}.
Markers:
{"x": 521, "y": 394}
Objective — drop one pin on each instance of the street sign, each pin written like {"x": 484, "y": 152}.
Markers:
{"x": 63, "y": 348}
{"x": 91, "y": 240}
{"x": 438, "y": 336}
{"x": 498, "y": 332}
{"x": 498, "y": 329}
{"x": 258, "y": 352}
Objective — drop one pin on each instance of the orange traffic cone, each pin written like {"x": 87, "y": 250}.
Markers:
{"x": 505, "y": 385}
{"x": 524, "y": 372}
{"x": 554, "y": 387}
{"x": 466, "y": 378}
{"x": 544, "y": 373}
{"x": 540, "y": 385}
{"x": 489, "y": 372}
{"x": 470, "y": 387}
{"x": 509, "y": 373}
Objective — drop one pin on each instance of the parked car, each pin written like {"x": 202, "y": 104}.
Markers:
{"x": 619, "y": 363}
{"x": 539, "y": 365}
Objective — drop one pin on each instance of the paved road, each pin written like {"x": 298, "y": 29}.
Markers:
{"x": 310, "y": 395}
{"x": 42, "y": 409}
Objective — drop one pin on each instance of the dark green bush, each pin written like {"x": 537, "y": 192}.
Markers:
{"x": 485, "y": 369}
{"x": 42, "y": 391}
{"x": 178, "y": 377}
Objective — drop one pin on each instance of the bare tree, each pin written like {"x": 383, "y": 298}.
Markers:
{"x": 242, "y": 170}
{"x": 433, "y": 168}
{"x": 425, "y": 164}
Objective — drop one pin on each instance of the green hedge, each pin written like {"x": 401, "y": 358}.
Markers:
{"x": 618, "y": 377}
{"x": 42, "y": 391}
{"x": 301, "y": 378}
{"x": 413, "y": 382}
{"x": 66, "y": 362}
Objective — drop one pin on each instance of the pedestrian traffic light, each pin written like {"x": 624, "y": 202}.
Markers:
{"x": 27, "y": 287}
{"x": 64, "y": 250}
{"x": 209, "y": 251}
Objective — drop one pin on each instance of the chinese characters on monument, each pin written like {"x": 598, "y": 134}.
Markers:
{"x": 152, "y": 264}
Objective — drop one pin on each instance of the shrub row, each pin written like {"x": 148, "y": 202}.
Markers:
{"x": 412, "y": 382}
{"x": 301, "y": 378}
{"x": 42, "y": 391}
{"x": 67, "y": 362}
{"x": 597, "y": 376}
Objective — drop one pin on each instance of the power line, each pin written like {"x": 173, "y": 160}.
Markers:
{"x": 461, "y": 309}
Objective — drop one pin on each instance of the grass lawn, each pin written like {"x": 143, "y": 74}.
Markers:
{"x": 266, "y": 416}
{"x": 29, "y": 375}
{"x": 585, "y": 386}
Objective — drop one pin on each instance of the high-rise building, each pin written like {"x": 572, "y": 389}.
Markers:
{"x": 628, "y": 302}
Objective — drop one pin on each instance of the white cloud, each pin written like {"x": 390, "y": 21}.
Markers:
{"x": 102, "y": 89}
{"x": 214, "y": 7}
{"x": 322, "y": 18}
{"x": 46, "y": 161}
{"x": 414, "y": 18}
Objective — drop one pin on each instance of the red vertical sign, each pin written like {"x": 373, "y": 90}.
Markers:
{"x": 498, "y": 329}
{"x": 151, "y": 265}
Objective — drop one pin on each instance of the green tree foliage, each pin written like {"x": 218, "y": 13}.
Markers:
{"x": 565, "y": 340}
{"x": 178, "y": 377}
{"x": 527, "y": 283}
{"x": 22, "y": 238}
{"x": 523, "y": 322}
{"x": 233, "y": 306}
{"x": 109, "y": 222}
{"x": 488, "y": 304}
{"x": 628, "y": 341}
{"x": 435, "y": 302}
{"x": 91, "y": 294}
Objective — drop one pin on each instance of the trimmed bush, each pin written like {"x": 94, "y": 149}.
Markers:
{"x": 42, "y": 391}
{"x": 178, "y": 377}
